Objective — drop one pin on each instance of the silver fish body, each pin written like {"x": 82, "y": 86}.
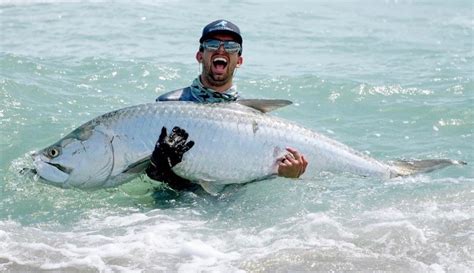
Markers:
{"x": 233, "y": 144}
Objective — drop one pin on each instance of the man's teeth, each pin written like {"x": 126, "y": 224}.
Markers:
{"x": 219, "y": 59}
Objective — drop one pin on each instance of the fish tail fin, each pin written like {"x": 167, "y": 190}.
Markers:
{"x": 411, "y": 167}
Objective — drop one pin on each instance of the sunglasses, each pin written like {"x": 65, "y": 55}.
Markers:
{"x": 229, "y": 46}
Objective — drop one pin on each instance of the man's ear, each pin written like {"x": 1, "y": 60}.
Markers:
{"x": 199, "y": 57}
{"x": 240, "y": 61}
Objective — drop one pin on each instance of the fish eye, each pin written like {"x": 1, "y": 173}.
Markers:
{"x": 54, "y": 152}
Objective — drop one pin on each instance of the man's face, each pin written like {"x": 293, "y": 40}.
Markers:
{"x": 218, "y": 66}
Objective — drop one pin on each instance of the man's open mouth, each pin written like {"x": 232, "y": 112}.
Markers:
{"x": 219, "y": 64}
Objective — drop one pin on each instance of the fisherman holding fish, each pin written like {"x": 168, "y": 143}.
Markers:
{"x": 115, "y": 148}
{"x": 219, "y": 54}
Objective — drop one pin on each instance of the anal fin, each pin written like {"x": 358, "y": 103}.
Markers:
{"x": 211, "y": 187}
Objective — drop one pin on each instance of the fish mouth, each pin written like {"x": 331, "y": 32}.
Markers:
{"x": 60, "y": 167}
{"x": 51, "y": 173}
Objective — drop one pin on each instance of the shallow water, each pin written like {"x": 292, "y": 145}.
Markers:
{"x": 391, "y": 78}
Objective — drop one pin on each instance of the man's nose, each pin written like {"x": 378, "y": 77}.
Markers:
{"x": 221, "y": 48}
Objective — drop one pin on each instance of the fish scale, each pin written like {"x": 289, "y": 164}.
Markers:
{"x": 234, "y": 143}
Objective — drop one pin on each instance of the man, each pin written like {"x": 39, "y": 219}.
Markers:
{"x": 220, "y": 53}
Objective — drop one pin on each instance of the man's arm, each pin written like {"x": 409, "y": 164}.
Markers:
{"x": 168, "y": 152}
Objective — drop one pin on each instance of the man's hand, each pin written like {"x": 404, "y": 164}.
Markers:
{"x": 169, "y": 151}
{"x": 292, "y": 165}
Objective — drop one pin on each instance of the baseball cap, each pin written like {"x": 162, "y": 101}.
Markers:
{"x": 221, "y": 26}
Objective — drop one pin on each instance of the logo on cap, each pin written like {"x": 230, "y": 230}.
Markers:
{"x": 221, "y": 23}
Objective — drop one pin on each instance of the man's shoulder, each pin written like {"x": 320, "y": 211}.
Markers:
{"x": 183, "y": 94}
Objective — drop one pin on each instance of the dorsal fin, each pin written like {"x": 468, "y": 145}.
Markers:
{"x": 264, "y": 105}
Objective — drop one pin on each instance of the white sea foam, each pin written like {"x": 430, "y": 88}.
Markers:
{"x": 152, "y": 241}
{"x": 157, "y": 240}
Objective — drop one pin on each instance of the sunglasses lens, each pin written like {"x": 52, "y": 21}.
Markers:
{"x": 211, "y": 45}
{"x": 229, "y": 46}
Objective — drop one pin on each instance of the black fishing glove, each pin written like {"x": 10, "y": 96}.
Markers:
{"x": 169, "y": 151}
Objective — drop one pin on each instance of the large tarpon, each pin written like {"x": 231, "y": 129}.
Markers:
{"x": 234, "y": 143}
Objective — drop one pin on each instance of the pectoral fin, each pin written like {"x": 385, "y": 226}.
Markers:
{"x": 139, "y": 166}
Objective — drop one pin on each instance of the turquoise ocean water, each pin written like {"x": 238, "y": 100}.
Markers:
{"x": 391, "y": 78}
